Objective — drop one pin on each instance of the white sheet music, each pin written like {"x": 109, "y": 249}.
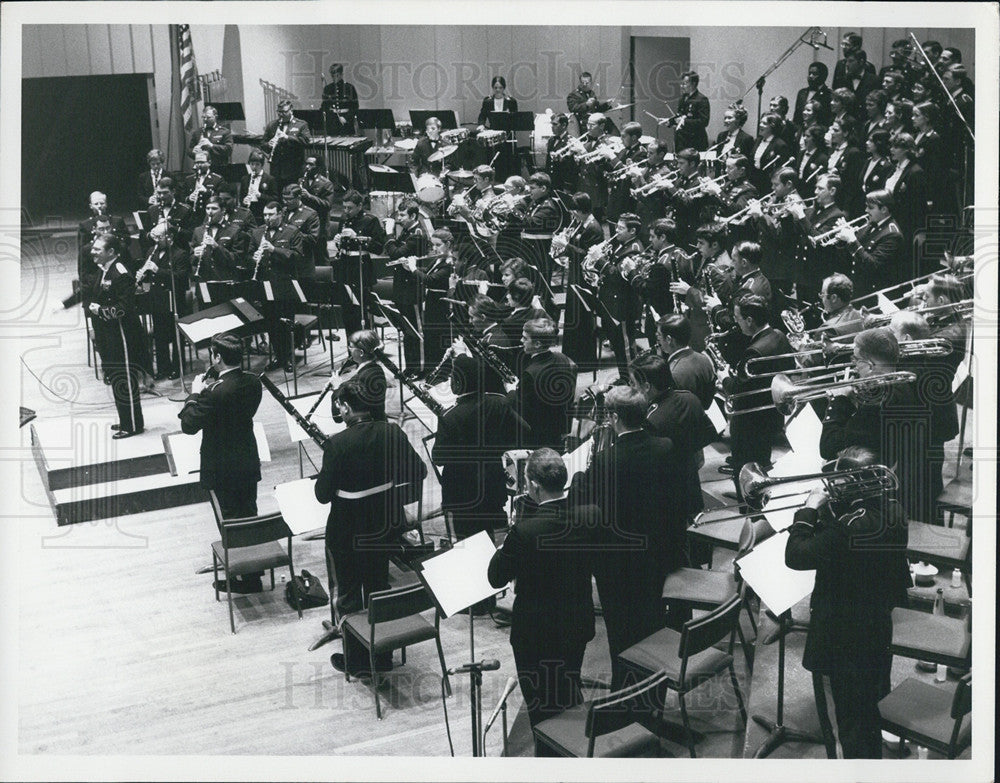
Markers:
{"x": 778, "y": 586}
{"x": 458, "y": 577}
{"x": 207, "y": 328}
{"x": 576, "y": 460}
{"x": 716, "y": 417}
{"x": 299, "y": 507}
{"x": 322, "y": 418}
{"x": 185, "y": 450}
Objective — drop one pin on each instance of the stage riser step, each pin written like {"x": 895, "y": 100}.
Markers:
{"x": 110, "y": 507}
{"x": 108, "y": 472}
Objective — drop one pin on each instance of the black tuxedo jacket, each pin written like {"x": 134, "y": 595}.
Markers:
{"x": 223, "y": 412}
{"x": 545, "y": 391}
{"x": 268, "y": 190}
{"x": 822, "y": 95}
{"x": 509, "y": 105}
{"x": 743, "y": 145}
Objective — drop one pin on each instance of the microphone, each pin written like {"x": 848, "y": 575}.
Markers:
{"x": 490, "y": 665}
{"x": 507, "y": 690}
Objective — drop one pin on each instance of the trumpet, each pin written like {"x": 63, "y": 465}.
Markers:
{"x": 625, "y": 172}
{"x": 602, "y": 150}
{"x": 843, "y": 486}
{"x": 701, "y": 185}
{"x": 775, "y": 209}
{"x": 574, "y": 147}
{"x": 655, "y": 184}
{"x": 738, "y": 218}
{"x": 786, "y": 395}
{"x": 828, "y": 238}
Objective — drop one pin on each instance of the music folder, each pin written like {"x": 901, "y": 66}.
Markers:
{"x": 456, "y": 578}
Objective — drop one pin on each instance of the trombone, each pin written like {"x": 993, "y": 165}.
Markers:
{"x": 843, "y": 486}
{"x": 931, "y": 347}
{"x": 829, "y": 237}
{"x": 932, "y": 315}
{"x": 787, "y": 395}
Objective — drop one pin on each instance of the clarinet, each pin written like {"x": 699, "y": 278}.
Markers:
{"x": 488, "y": 356}
{"x": 314, "y": 432}
{"x": 678, "y": 306}
{"x": 259, "y": 255}
{"x": 204, "y": 249}
{"x": 433, "y": 405}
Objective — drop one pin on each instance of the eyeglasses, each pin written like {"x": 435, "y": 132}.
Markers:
{"x": 858, "y": 361}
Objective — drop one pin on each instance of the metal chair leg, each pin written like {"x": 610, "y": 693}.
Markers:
{"x": 444, "y": 669}
{"x": 687, "y": 727}
{"x": 739, "y": 696}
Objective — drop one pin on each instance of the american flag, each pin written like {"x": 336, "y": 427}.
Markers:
{"x": 188, "y": 74}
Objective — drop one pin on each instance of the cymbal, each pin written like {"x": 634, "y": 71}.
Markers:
{"x": 442, "y": 153}
{"x": 379, "y": 168}
{"x": 619, "y": 108}
{"x": 460, "y": 175}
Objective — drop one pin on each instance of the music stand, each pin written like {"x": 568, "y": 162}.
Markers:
{"x": 402, "y": 326}
{"x": 319, "y": 293}
{"x": 314, "y": 118}
{"x": 379, "y": 119}
{"x": 393, "y": 181}
{"x": 229, "y": 111}
{"x": 418, "y": 118}
{"x": 456, "y": 579}
{"x": 597, "y": 308}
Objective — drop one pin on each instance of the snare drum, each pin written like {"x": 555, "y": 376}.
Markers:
{"x": 491, "y": 138}
{"x": 385, "y": 202}
{"x": 455, "y": 136}
{"x": 429, "y": 189}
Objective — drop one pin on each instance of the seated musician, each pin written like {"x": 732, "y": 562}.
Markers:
{"x": 881, "y": 418}
{"x": 353, "y": 265}
{"x": 752, "y": 435}
{"x": 814, "y": 261}
{"x": 276, "y": 256}
{"x": 361, "y": 466}
{"x": 220, "y": 249}
{"x": 546, "y": 386}
{"x": 408, "y": 240}
{"x": 427, "y": 145}
{"x": 691, "y": 370}
{"x": 432, "y": 275}
{"x": 749, "y": 280}
{"x": 364, "y": 370}
{"x": 485, "y": 316}
{"x": 240, "y": 216}
{"x": 523, "y": 304}
{"x": 858, "y": 549}
{"x": 676, "y": 414}
{"x": 468, "y": 204}
{"x": 877, "y": 252}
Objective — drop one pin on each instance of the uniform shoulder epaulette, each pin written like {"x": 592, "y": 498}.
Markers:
{"x": 121, "y": 268}
{"x": 893, "y": 229}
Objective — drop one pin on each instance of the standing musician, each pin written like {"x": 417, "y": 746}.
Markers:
{"x": 177, "y": 218}
{"x": 471, "y": 439}
{"x": 541, "y": 220}
{"x": 579, "y": 323}
{"x": 221, "y": 406}
{"x": 858, "y": 551}
{"x": 683, "y": 199}
{"x": 213, "y": 138}
{"x": 847, "y": 162}
{"x": 365, "y": 371}
{"x": 562, "y": 170}
{"x": 813, "y": 262}
{"x": 637, "y": 487}
{"x": 257, "y": 187}
{"x": 704, "y": 276}
{"x": 98, "y": 203}
{"x": 620, "y": 199}
{"x": 676, "y": 414}
{"x": 499, "y": 101}
{"x": 592, "y": 178}
{"x": 362, "y": 467}
{"x": 769, "y": 151}
{"x": 201, "y": 184}
{"x": 691, "y": 370}
{"x": 850, "y": 43}
{"x": 876, "y": 251}
{"x": 651, "y": 206}
{"x": 307, "y": 222}
{"x": 778, "y": 236}
{"x": 749, "y": 280}
{"x": 408, "y": 240}
{"x": 882, "y": 420}
{"x": 908, "y": 185}
{"x": 149, "y": 178}
{"x": 340, "y": 103}
{"x": 110, "y": 300}
{"x": 277, "y": 252}
{"x": 583, "y": 102}
{"x": 733, "y": 140}
{"x": 693, "y": 114}
{"x": 353, "y": 266}
{"x": 652, "y": 282}
{"x": 753, "y": 435}
{"x": 733, "y": 196}
{"x": 219, "y": 248}
{"x": 285, "y": 140}
{"x": 615, "y": 269}
{"x": 168, "y": 265}
{"x": 427, "y": 145}
{"x": 432, "y": 276}
{"x": 317, "y": 194}
{"x": 545, "y": 556}
{"x": 546, "y": 386}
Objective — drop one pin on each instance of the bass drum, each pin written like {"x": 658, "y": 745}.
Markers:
{"x": 429, "y": 189}
{"x": 385, "y": 202}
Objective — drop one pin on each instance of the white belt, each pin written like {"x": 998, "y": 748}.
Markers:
{"x": 536, "y": 236}
{"x": 364, "y": 493}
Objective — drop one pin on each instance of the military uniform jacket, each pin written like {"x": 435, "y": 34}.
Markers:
{"x": 180, "y": 222}
{"x": 696, "y": 112}
{"x": 228, "y": 259}
{"x": 285, "y": 261}
{"x": 212, "y": 182}
{"x": 223, "y": 412}
{"x": 813, "y": 264}
{"x": 576, "y": 102}
{"x": 410, "y": 242}
{"x": 616, "y": 293}
{"x": 222, "y": 144}
{"x": 317, "y": 194}
{"x": 861, "y": 574}
{"x": 877, "y": 258}
{"x": 117, "y": 330}
{"x": 85, "y": 231}
{"x": 850, "y": 167}
{"x": 562, "y": 170}
{"x": 307, "y": 222}
{"x": 541, "y": 220}
{"x": 695, "y": 372}
{"x": 290, "y": 152}
{"x": 545, "y": 391}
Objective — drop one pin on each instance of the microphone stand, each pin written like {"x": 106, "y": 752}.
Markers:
{"x": 173, "y": 310}
{"x": 807, "y": 39}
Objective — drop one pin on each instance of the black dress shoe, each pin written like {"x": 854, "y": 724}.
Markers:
{"x": 241, "y": 586}
{"x": 330, "y": 628}
{"x": 121, "y": 434}
{"x": 116, "y": 427}
{"x": 274, "y": 364}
